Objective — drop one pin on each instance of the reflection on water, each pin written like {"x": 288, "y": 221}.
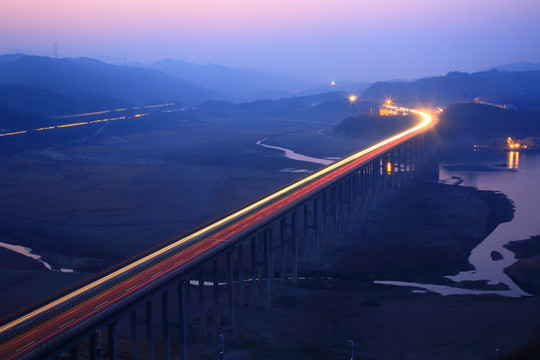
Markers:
{"x": 513, "y": 160}
{"x": 517, "y": 179}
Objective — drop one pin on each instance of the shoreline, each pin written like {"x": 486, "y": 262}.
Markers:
{"x": 341, "y": 302}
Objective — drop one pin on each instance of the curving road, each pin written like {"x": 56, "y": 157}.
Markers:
{"x": 114, "y": 291}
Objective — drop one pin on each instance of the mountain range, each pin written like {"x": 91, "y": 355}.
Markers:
{"x": 51, "y": 87}
{"x": 519, "y": 88}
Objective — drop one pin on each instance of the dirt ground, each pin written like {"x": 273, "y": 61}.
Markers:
{"x": 421, "y": 235}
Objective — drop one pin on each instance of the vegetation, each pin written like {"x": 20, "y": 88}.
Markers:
{"x": 487, "y": 122}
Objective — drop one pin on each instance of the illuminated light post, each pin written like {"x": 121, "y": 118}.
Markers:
{"x": 333, "y": 83}
{"x": 352, "y": 98}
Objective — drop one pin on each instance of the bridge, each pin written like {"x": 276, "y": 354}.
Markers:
{"x": 202, "y": 278}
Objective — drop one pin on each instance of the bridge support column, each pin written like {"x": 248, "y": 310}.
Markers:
{"x": 306, "y": 230}
{"x": 316, "y": 228}
{"x": 74, "y": 353}
{"x": 111, "y": 341}
{"x": 92, "y": 346}
{"x": 202, "y": 303}
{"x": 324, "y": 217}
{"x": 165, "y": 322}
{"x": 283, "y": 249}
{"x": 133, "y": 330}
{"x": 240, "y": 275}
{"x": 334, "y": 212}
{"x": 217, "y": 310}
{"x": 350, "y": 202}
{"x": 294, "y": 240}
{"x": 149, "y": 337}
{"x": 253, "y": 270}
{"x": 230, "y": 291}
{"x": 182, "y": 319}
{"x": 267, "y": 245}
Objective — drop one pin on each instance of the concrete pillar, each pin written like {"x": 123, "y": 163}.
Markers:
{"x": 230, "y": 289}
{"x": 187, "y": 291}
{"x": 399, "y": 170}
{"x": 182, "y": 329}
{"x": 253, "y": 270}
{"x": 202, "y": 303}
{"x": 283, "y": 248}
{"x": 165, "y": 324}
{"x": 267, "y": 250}
{"x": 324, "y": 215}
{"x": 241, "y": 275}
{"x": 316, "y": 228}
{"x": 217, "y": 310}
{"x": 112, "y": 350}
{"x": 294, "y": 241}
{"x": 133, "y": 330}
{"x": 92, "y": 346}
{"x": 306, "y": 230}
{"x": 149, "y": 337}
{"x": 350, "y": 201}
{"x": 74, "y": 353}
{"x": 334, "y": 211}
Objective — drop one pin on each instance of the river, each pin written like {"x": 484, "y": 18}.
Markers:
{"x": 516, "y": 175}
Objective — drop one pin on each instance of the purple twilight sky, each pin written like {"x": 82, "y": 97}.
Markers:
{"x": 326, "y": 39}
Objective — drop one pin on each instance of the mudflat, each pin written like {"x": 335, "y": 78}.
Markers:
{"x": 421, "y": 235}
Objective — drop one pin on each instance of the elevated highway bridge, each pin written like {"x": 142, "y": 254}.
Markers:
{"x": 237, "y": 255}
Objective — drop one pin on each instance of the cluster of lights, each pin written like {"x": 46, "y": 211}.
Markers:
{"x": 515, "y": 145}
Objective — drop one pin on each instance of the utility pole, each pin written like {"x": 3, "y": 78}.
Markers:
{"x": 222, "y": 353}
{"x": 55, "y": 50}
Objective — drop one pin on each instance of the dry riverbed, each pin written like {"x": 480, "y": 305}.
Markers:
{"x": 421, "y": 235}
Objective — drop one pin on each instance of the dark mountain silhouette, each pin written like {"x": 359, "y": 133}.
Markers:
{"x": 240, "y": 84}
{"x": 45, "y": 102}
{"x": 335, "y": 100}
{"x": 479, "y": 121}
{"x": 84, "y": 78}
{"x": 496, "y": 86}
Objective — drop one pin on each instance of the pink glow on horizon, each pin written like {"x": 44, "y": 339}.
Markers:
{"x": 273, "y": 34}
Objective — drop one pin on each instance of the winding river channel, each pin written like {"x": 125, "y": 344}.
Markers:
{"x": 515, "y": 175}
{"x": 512, "y": 173}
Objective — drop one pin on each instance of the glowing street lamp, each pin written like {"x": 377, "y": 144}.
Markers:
{"x": 333, "y": 83}
{"x": 352, "y": 98}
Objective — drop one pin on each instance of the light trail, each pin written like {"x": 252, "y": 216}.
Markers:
{"x": 426, "y": 122}
{"x": 52, "y": 127}
{"x": 184, "y": 252}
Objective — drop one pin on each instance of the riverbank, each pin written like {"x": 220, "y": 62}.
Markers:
{"x": 423, "y": 234}
{"x": 526, "y": 271}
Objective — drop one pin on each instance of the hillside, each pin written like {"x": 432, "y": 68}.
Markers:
{"x": 480, "y": 121}
{"x": 240, "y": 84}
{"x": 45, "y": 102}
{"x": 519, "y": 88}
{"x": 12, "y": 120}
{"x": 85, "y": 78}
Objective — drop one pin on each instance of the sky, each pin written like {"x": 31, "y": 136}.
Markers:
{"x": 354, "y": 40}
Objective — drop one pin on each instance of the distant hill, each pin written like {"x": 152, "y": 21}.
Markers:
{"x": 13, "y": 120}
{"x": 239, "y": 84}
{"x": 496, "y": 86}
{"x": 329, "y": 101}
{"x": 520, "y": 66}
{"x": 479, "y": 121}
{"x": 85, "y": 78}
{"x": 45, "y": 102}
